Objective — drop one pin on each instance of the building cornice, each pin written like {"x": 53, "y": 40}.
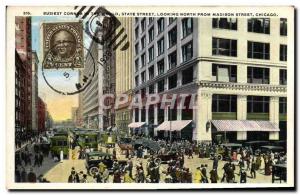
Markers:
{"x": 243, "y": 86}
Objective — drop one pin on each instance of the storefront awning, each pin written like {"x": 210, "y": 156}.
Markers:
{"x": 136, "y": 124}
{"x": 173, "y": 125}
{"x": 244, "y": 125}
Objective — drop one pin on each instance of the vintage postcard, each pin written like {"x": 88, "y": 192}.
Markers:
{"x": 168, "y": 97}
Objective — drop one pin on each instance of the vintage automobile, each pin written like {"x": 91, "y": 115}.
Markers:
{"x": 165, "y": 158}
{"x": 94, "y": 158}
{"x": 223, "y": 150}
{"x": 279, "y": 172}
{"x": 256, "y": 144}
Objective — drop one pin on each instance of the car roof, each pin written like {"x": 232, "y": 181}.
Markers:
{"x": 96, "y": 153}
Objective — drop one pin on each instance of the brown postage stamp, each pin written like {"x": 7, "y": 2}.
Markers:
{"x": 62, "y": 45}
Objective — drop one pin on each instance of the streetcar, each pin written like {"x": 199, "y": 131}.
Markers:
{"x": 59, "y": 142}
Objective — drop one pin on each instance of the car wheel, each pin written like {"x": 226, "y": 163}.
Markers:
{"x": 93, "y": 170}
{"x": 157, "y": 160}
{"x": 220, "y": 157}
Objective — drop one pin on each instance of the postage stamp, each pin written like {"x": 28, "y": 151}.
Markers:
{"x": 150, "y": 97}
{"x": 62, "y": 45}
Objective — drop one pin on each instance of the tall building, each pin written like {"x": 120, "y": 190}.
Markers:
{"x": 124, "y": 79}
{"x": 34, "y": 84}
{"x": 23, "y": 73}
{"x": 93, "y": 112}
{"x": 234, "y": 69}
{"x": 42, "y": 108}
{"x": 74, "y": 117}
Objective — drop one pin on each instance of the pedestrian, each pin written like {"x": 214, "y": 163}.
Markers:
{"x": 97, "y": 177}
{"x": 84, "y": 179}
{"x": 23, "y": 175}
{"x": 73, "y": 178}
{"x": 61, "y": 156}
{"x": 198, "y": 175}
{"x": 203, "y": 171}
{"x": 214, "y": 176}
{"x": 253, "y": 169}
{"x": 31, "y": 176}
{"x": 243, "y": 178}
{"x": 127, "y": 178}
{"x": 41, "y": 159}
{"x": 17, "y": 175}
{"x": 216, "y": 162}
{"x": 117, "y": 177}
{"x": 36, "y": 160}
{"x": 105, "y": 175}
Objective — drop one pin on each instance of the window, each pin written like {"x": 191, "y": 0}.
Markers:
{"x": 160, "y": 25}
{"x": 151, "y": 54}
{"x": 172, "y": 36}
{"x": 160, "y": 46}
{"x": 171, "y": 20}
{"x": 143, "y": 76}
{"x": 173, "y": 81}
{"x": 143, "y": 24}
{"x": 137, "y": 81}
{"x": 283, "y": 26}
{"x": 225, "y": 23}
{"x": 187, "y": 26}
{"x": 187, "y": 75}
{"x": 224, "y": 103}
{"x": 187, "y": 52}
{"x": 282, "y": 105}
{"x": 172, "y": 113}
{"x": 136, "y": 20}
{"x": 143, "y": 93}
{"x": 143, "y": 42}
{"x": 151, "y": 72}
{"x": 257, "y": 104}
{"x": 151, "y": 89}
{"x": 259, "y": 25}
{"x": 151, "y": 19}
{"x": 160, "y": 67}
{"x": 283, "y": 77}
{"x": 258, "y": 50}
{"x": 143, "y": 114}
{"x": 160, "y": 114}
{"x": 224, "y": 47}
{"x": 136, "y": 47}
{"x": 136, "y": 115}
{"x": 143, "y": 58}
{"x": 172, "y": 59}
{"x": 224, "y": 73}
{"x": 136, "y": 32}
{"x": 283, "y": 53}
{"x": 160, "y": 86}
{"x": 151, "y": 34}
{"x": 258, "y": 75}
{"x": 136, "y": 65}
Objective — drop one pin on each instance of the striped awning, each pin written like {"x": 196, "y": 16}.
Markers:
{"x": 173, "y": 125}
{"x": 136, "y": 125}
{"x": 244, "y": 125}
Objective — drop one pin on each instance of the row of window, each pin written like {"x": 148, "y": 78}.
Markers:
{"x": 186, "y": 53}
{"x": 257, "y": 25}
{"x": 256, "y": 50}
{"x": 187, "y": 77}
{"x": 186, "y": 24}
{"x": 257, "y": 75}
{"x": 255, "y": 104}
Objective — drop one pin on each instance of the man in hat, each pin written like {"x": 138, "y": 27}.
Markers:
{"x": 243, "y": 178}
{"x": 214, "y": 176}
{"x": 73, "y": 178}
{"x": 31, "y": 176}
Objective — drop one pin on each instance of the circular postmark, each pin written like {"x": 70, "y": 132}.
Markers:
{"x": 69, "y": 80}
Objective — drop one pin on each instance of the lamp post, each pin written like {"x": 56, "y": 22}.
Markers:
{"x": 170, "y": 124}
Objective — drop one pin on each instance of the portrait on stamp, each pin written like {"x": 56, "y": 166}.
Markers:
{"x": 62, "y": 45}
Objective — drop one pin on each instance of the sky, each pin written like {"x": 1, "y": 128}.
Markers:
{"x": 59, "y": 106}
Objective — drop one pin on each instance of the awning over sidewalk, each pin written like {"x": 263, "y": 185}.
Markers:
{"x": 136, "y": 125}
{"x": 244, "y": 125}
{"x": 173, "y": 125}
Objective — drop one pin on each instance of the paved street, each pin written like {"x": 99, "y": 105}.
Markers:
{"x": 60, "y": 171}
